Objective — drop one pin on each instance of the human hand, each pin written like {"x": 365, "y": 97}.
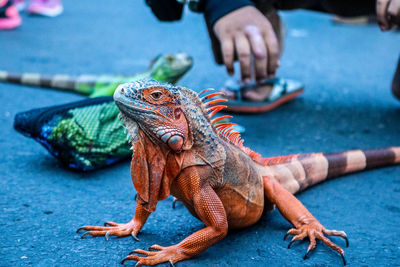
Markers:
{"x": 248, "y": 32}
{"x": 388, "y": 12}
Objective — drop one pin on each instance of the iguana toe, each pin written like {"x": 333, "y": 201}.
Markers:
{"x": 337, "y": 233}
{"x": 115, "y": 229}
{"x": 155, "y": 255}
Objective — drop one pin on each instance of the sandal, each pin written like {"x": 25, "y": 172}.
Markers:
{"x": 282, "y": 92}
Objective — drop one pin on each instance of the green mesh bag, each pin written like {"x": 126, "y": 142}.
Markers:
{"x": 83, "y": 135}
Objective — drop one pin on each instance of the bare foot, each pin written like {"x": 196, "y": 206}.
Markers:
{"x": 258, "y": 93}
{"x": 253, "y": 93}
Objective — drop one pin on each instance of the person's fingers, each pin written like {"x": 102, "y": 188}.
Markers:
{"x": 259, "y": 50}
{"x": 227, "y": 47}
{"x": 381, "y": 12}
{"x": 243, "y": 51}
{"x": 393, "y": 12}
{"x": 273, "y": 50}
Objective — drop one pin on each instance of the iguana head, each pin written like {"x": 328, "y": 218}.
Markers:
{"x": 173, "y": 115}
{"x": 162, "y": 111}
{"x": 170, "y": 67}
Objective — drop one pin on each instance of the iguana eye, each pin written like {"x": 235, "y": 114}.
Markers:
{"x": 156, "y": 95}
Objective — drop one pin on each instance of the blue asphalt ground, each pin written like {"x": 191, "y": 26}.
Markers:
{"x": 347, "y": 104}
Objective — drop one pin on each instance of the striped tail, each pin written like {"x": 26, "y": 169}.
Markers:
{"x": 299, "y": 172}
{"x": 82, "y": 84}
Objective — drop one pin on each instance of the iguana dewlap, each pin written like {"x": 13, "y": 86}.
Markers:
{"x": 178, "y": 149}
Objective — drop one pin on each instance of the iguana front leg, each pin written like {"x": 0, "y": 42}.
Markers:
{"x": 305, "y": 224}
{"x": 210, "y": 210}
{"x": 119, "y": 229}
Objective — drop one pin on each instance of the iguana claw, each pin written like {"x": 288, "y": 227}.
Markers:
{"x": 174, "y": 203}
{"x": 286, "y": 235}
{"x": 135, "y": 237}
{"x": 306, "y": 255}
{"x": 343, "y": 258}
{"x": 124, "y": 260}
{"x": 291, "y": 242}
{"x": 85, "y": 234}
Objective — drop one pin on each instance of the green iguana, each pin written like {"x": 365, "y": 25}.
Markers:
{"x": 178, "y": 149}
{"x": 166, "y": 68}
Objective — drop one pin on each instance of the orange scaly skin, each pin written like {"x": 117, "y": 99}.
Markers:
{"x": 178, "y": 150}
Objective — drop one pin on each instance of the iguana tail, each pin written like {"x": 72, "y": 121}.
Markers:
{"x": 80, "y": 84}
{"x": 299, "y": 172}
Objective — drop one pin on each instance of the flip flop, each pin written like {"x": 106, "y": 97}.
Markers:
{"x": 283, "y": 91}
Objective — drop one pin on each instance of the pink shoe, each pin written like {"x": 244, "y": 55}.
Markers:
{"x": 9, "y": 16}
{"x": 49, "y": 8}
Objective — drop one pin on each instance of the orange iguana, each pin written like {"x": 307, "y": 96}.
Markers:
{"x": 178, "y": 149}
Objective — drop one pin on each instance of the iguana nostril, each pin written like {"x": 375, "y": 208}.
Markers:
{"x": 177, "y": 114}
{"x": 122, "y": 90}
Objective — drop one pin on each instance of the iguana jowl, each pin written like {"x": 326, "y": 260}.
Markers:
{"x": 178, "y": 150}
